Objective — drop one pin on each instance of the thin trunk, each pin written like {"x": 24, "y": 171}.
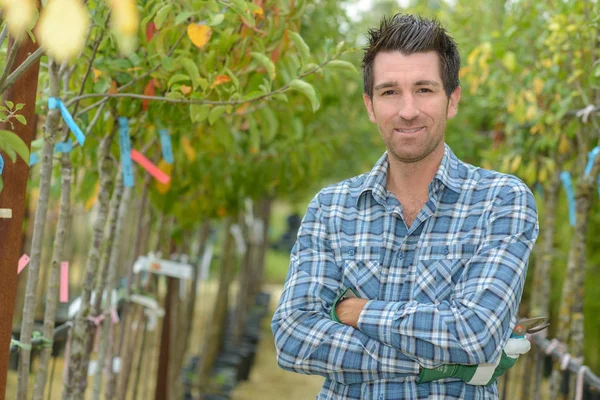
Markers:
{"x": 245, "y": 282}
{"x": 54, "y": 280}
{"x": 540, "y": 299}
{"x": 136, "y": 319}
{"x": 162, "y": 384}
{"x": 216, "y": 330}
{"x": 75, "y": 384}
{"x": 140, "y": 361}
{"x": 125, "y": 334}
{"x": 38, "y": 235}
{"x": 264, "y": 211}
{"x": 570, "y": 318}
{"x": 191, "y": 310}
{"x": 112, "y": 285}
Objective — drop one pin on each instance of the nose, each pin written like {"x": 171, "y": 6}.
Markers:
{"x": 408, "y": 109}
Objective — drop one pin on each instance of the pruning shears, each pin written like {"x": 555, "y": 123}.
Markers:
{"x": 529, "y": 325}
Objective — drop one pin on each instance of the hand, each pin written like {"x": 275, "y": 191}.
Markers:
{"x": 483, "y": 374}
{"x": 348, "y": 311}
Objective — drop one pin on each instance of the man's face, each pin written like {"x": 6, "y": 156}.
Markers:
{"x": 409, "y": 104}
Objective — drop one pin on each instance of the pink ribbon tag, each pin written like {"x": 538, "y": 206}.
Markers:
{"x": 148, "y": 166}
{"x": 23, "y": 261}
{"x": 114, "y": 316}
{"x": 64, "y": 282}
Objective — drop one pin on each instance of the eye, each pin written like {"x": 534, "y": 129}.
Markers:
{"x": 424, "y": 90}
{"x": 388, "y": 92}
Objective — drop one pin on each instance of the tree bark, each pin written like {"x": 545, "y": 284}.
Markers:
{"x": 540, "y": 299}
{"x": 76, "y": 383}
{"x": 162, "y": 384}
{"x": 216, "y": 330}
{"x": 15, "y": 176}
{"x": 64, "y": 219}
{"x": 570, "y": 317}
{"x": 38, "y": 235}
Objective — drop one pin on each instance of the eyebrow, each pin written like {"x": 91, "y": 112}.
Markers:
{"x": 391, "y": 84}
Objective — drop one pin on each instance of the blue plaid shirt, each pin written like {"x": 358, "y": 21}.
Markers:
{"x": 446, "y": 290}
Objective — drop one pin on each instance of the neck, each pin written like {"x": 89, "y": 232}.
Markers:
{"x": 415, "y": 176}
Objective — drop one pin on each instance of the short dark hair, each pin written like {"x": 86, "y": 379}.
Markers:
{"x": 412, "y": 34}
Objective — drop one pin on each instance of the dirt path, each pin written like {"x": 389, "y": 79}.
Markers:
{"x": 267, "y": 380}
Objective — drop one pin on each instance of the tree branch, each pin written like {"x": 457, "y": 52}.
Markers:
{"x": 9, "y": 62}
{"x": 3, "y": 34}
{"x": 196, "y": 101}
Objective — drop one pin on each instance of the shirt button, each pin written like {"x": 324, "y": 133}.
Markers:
{"x": 400, "y": 255}
{"x": 351, "y": 252}
{"x": 446, "y": 250}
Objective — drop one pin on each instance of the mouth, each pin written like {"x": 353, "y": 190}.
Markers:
{"x": 410, "y": 131}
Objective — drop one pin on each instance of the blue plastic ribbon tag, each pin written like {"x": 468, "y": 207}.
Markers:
{"x": 1, "y": 164}
{"x": 125, "y": 144}
{"x": 591, "y": 157}
{"x": 167, "y": 148}
{"x": 63, "y": 147}
{"x": 54, "y": 102}
{"x": 565, "y": 177}
{"x": 33, "y": 159}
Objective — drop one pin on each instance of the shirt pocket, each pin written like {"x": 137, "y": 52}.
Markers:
{"x": 439, "y": 271}
{"x": 361, "y": 269}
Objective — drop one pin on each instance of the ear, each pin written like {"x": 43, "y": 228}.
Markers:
{"x": 453, "y": 103}
{"x": 369, "y": 105}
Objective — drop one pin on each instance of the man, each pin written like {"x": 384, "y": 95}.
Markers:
{"x": 435, "y": 250}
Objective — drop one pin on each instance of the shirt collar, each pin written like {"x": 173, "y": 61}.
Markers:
{"x": 447, "y": 174}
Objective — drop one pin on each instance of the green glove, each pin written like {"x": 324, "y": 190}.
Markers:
{"x": 346, "y": 294}
{"x": 467, "y": 373}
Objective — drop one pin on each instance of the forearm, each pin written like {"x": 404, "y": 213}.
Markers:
{"x": 310, "y": 343}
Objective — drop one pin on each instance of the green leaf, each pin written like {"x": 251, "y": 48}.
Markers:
{"x": 10, "y": 104}
{"x": 241, "y": 7}
{"x": 184, "y": 16}
{"x": 216, "y": 113}
{"x": 167, "y": 63}
{"x": 10, "y": 142}
{"x": 270, "y": 124}
{"x": 19, "y": 106}
{"x": 341, "y": 64}
{"x": 216, "y": 19}
{"x": 177, "y": 78}
{"x": 339, "y": 47}
{"x": 265, "y": 62}
{"x": 199, "y": 112}
{"x": 192, "y": 70}
{"x": 162, "y": 15}
{"x": 308, "y": 90}
{"x": 301, "y": 46}
{"x": 21, "y": 119}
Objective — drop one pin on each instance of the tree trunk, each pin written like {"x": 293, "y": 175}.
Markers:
{"x": 570, "y": 319}
{"x": 64, "y": 219}
{"x": 76, "y": 383}
{"x": 216, "y": 330}
{"x": 15, "y": 176}
{"x": 264, "y": 211}
{"x": 38, "y": 235}
{"x": 540, "y": 299}
{"x": 244, "y": 298}
{"x": 162, "y": 383}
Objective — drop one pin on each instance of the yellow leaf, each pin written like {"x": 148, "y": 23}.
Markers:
{"x": 563, "y": 145}
{"x": 219, "y": 80}
{"x": 19, "y": 15}
{"x": 538, "y": 85}
{"x": 185, "y": 89}
{"x": 531, "y": 113}
{"x": 63, "y": 41}
{"x": 92, "y": 200}
{"x": 199, "y": 34}
{"x": 190, "y": 153}
{"x": 259, "y": 11}
{"x": 167, "y": 169}
{"x": 97, "y": 74}
{"x": 473, "y": 56}
{"x": 514, "y": 165}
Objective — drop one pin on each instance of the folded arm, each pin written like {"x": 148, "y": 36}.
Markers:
{"x": 473, "y": 326}
{"x": 306, "y": 338}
